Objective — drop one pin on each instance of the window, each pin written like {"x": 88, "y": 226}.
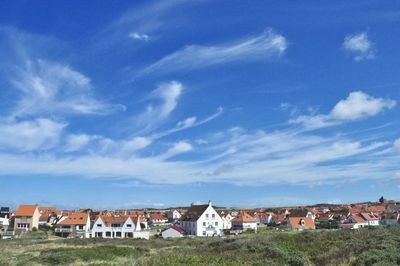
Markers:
{"x": 213, "y": 216}
{"x": 216, "y": 223}
{"x": 204, "y": 223}
{"x": 115, "y": 225}
{"x": 128, "y": 225}
{"x": 80, "y": 227}
{"x": 204, "y": 233}
{"x": 23, "y": 226}
{"x": 99, "y": 225}
{"x": 108, "y": 234}
{"x": 206, "y": 215}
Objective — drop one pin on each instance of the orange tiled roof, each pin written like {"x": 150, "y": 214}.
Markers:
{"x": 75, "y": 218}
{"x": 244, "y": 217}
{"x": 157, "y": 216}
{"x": 26, "y": 210}
{"x": 296, "y": 222}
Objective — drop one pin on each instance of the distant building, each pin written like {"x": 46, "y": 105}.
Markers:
{"x": 118, "y": 227}
{"x": 75, "y": 224}
{"x": 301, "y": 223}
{"x": 4, "y": 212}
{"x": 173, "y": 232}
{"x": 244, "y": 221}
{"x": 202, "y": 220}
{"x": 173, "y": 216}
{"x": 26, "y": 218}
{"x": 157, "y": 219}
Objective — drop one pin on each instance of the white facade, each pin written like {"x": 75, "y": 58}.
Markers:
{"x": 209, "y": 223}
{"x": 173, "y": 215}
{"x": 110, "y": 227}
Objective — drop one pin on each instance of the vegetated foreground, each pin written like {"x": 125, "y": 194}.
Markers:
{"x": 367, "y": 246}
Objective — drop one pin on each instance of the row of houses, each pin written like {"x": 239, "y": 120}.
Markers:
{"x": 197, "y": 220}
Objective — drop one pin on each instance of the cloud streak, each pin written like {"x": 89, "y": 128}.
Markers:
{"x": 263, "y": 46}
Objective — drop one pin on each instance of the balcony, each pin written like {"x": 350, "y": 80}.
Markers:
{"x": 63, "y": 230}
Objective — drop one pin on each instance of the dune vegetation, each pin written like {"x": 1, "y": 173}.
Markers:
{"x": 367, "y": 246}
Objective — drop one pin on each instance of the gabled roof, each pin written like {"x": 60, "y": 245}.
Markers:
{"x": 113, "y": 219}
{"x": 75, "y": 218}
{"x": 375, "y": 208}
{"x": 357, "y": 219}
{"x": 157, "y": 217}
{"x": 194, "y": 213}
{"x": 26, "y": 210}
{"x": 301, "y": 222}
{"x": 369, "y": 216}
{"x": 298, "y": 213}
{"x": 178, "y": 228}
{"x": 244, "y": 217}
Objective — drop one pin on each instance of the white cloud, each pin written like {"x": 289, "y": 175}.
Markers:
{"x": 166, "y": 96}
{"x": 188, "y": 122}
{"x": 177, "y": 148}
{"x": 138, "y": 36}
{"x": 359, "y": 105}
{"x": 397, "y": 145}
{"x": 30, "y": 135}
{"x": 48, "y": 87}
{"x": 360, "y": 45}
{"x": 75, "y": 142}
{"x": 266, "y": 45}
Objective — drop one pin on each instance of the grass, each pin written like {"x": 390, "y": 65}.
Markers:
{"x": 367, "y": 246}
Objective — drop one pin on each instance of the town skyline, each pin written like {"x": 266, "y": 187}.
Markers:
{"x": 150, "y": 104}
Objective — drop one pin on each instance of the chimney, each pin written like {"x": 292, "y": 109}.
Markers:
{"x": 209, "y": 203}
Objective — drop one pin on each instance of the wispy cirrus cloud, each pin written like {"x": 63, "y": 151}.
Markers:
{"x": 360, "y": 45}
{"x": 48, "y": 87}
{"x": 260, "y": 47}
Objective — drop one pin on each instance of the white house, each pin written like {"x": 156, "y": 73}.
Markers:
{"x": 244, "y": 221}
{"x": 174, "y": 231}
{"x": 202, "y": 220}
{"x": 371, "y": 218}
{"x": 226, "y": 220}
{"x": 118, "y": 227}
{"x": 353, "y": 222}
{"x": 173, "y": 216}
{"x": 267, "y": 218}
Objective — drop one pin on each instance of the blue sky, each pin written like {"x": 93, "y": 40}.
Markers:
{"x": 154, "y": 104}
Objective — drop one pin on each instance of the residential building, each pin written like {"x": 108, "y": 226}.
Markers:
{"x": 118, "y": 227}
{"x": 301, "y": 223}
{"x": 157, "y": 219}
{"x": 244, "y": 221}
{"x": 202, "y": 220}
{"x": 173, "y": 216}
{"x": 389, "y": 218}
{"x": 226, "y": 219}
{"x": 267, "y": 218}
{"x": 174, "y": 231}
{"x": 4, "y": 212}
{"x": 353, "y": 221}
{"x": 371, "y": 218}
{"x": 26, "y": 218}
{"x": 76, "y": 224}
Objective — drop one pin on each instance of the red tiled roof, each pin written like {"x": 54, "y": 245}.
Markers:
{"x": 244, "y": 217}
{"x": 157, "y": 216}
{"x": 375, "y": 208}
{"x": 26, "y": 210}
{"x": 295, "y": 222}
{"x": 75, "y": 218}
{"x": 357, "y": 219}
{"x": 369, "y": 216}
{"x": 178, "y": 228}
